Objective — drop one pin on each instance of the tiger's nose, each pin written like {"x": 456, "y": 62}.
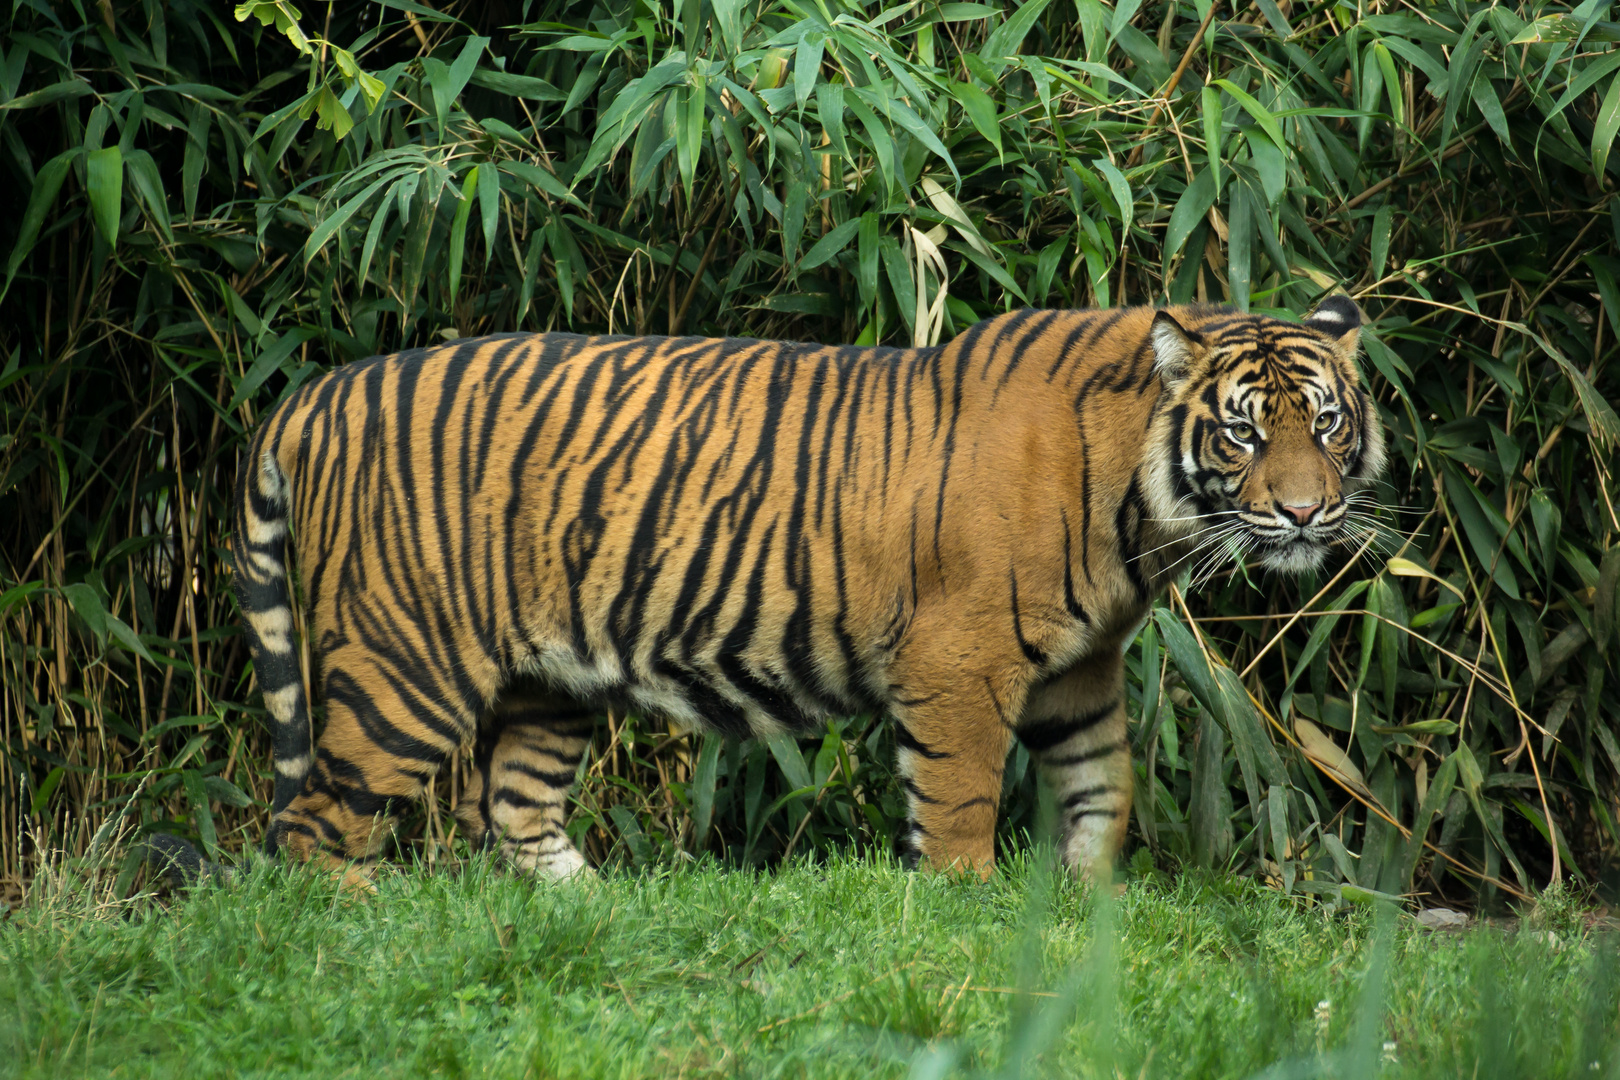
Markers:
{"x": 1302, "y": 514}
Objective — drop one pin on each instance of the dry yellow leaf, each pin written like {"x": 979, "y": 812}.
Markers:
{"x": 1327, "y": 753}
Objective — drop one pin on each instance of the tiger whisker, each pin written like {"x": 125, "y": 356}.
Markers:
{"x": 1161, "y": 547}
{"x": 1360, "y": 521}
{"x": 1358, "y": 499}
{"x": 1383, "y": 539}
{"x": 1221, "y": 532}
{"x": 1180, "y": 540}
{"x": 1197, "y": 555}
{"x": 1196, "y": 517}
{"x": 1215, "y": 559}
{"x": 1228, "y": 557}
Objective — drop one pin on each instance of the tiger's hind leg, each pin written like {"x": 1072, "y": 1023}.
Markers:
{"x": 1074, "y": 728}
{"x": 516, "y": 800}
{"x": 386, "y": 736}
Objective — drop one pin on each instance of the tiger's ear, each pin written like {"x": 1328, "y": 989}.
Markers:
{"x": 1340, "y": 319}
{"x": 1175, "y": 349}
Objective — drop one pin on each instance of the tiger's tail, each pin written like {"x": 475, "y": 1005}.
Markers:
{"x": 181, "y": 862}
{"x": 263, "y": 590}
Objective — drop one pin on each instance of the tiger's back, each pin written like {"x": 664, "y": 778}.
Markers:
{"x": 498, "y": 538}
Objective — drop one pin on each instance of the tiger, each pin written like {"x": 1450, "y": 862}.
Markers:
{"x": 498, "y": 539}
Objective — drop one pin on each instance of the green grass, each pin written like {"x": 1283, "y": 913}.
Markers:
{"x": 847, "y": 968}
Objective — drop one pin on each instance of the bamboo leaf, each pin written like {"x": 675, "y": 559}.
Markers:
{"x": 65, "y": 90}
{"x": 1407, "y": 568}
{"x": 807, "y": 65}
{"x": 1262, "y": 116}
{"x": 88, "y": 607}
{"x": 1383, "y": 221}
{"x": 1120, "y": 189}
{"x": 1005, "y": 39}
{"x": 1603, "y": 604}
{"x": 202, "y": 815}
{"x": 791, "y": 760}
{"x": 1190, "y": 209}
{"x": 47, "y": 182}
{"x": 1490, "y": 107}
{"x": 1210, "y": 811}
{"x": 196, "y": 158}
{"x": 105, "y": 183}
{"x": 1599, "y": 413}
{"x": 458, "y": 231}
{"x": 1213, "y": 123}
{"x": 327, "y": 228}
{"x": 980, "y": 110}
{"x": 143, "y": 173}
{"x": 270, "y": 360}
{"x": 1240, "y": 231}
{"x": 489, "y": 206}
{"x": 704, "y": 780}
{"x": 830, "y": 245}
{"x": 1604, "y": 128}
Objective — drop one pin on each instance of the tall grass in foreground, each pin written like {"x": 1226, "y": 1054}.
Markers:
{"x": 843, "y": 967}
{"x": 214, "y": 209}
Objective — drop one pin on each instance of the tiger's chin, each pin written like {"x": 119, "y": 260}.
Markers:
{"x": 1297, "y": 556}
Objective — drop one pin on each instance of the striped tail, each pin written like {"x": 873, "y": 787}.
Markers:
{"x": 181, "y": 862}
{"x": 259, "y": 544}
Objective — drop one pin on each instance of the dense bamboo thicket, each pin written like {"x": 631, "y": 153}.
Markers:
{"x": 207, "y": 210}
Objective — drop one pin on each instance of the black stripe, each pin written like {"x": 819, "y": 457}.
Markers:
{"x": 550, "y": 777}
{"x": 905, "y": 740}
{"x": 1071, "y": 603}
{"x": 516, "y": 799}
{"x": 1045, "y": 734}
{"x": 1084, "y": 756}
{"x": 1032, "y": 653}
{"x": 1083, "y": 795}
{"x": 911, "y": 786}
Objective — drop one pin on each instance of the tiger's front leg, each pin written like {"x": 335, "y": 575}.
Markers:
{"x": 516, "y": 801}
{"x": 952, "y": 739}
{"x": 1074, "y": 728}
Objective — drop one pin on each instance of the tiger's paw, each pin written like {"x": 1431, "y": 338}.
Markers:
{"x": 563, "y": 864}
{"x": 357, "y": 883}
{"x": 356, "y": 880}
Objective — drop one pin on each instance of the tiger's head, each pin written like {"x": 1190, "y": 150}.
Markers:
{"x": 1263, "y": 432}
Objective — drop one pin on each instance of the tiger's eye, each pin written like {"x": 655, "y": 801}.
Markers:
{"x": 1242, "y": 432}
{"x": 1325, "y": 422}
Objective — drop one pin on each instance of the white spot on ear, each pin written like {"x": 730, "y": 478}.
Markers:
{"x": 1335, "y": 315}
{"x": 1338, "y": 318}
{"x": 1173, "y": 348}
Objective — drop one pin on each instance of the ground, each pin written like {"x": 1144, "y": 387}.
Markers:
{"x": 845, "y": 968}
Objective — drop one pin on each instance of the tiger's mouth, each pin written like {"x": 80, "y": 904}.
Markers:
{"x": 1282, "y": 548}
{"x": 1295, "y": 550}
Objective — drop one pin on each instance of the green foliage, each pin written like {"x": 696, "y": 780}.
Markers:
{"x": 839, "y": 968}
{"x": 213, "y": 210}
